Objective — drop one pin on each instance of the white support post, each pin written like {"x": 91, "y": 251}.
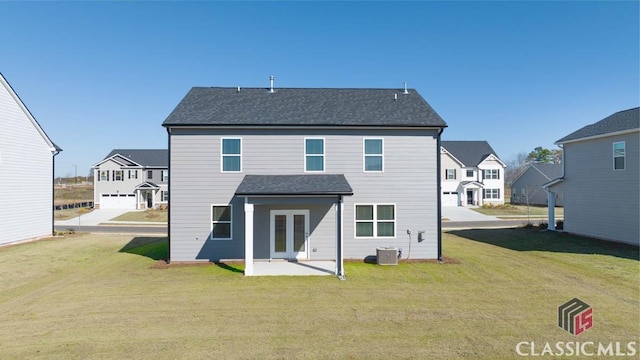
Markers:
{"x": 339, "y": 240}
{"x": 551, "y": 205}
{"x": 248, "y": 239}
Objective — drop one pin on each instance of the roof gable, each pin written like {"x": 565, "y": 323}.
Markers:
{"x": 217, "y": 106}
{"x": 54, "y": 148}
{"x": 621, "y": 121}
{"x": 139, "y": 157}
{"x": 470, "y": 153}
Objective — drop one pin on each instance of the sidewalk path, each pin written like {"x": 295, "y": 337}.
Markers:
{"x": 97, "y": 216}
{"x": 459, "y": 213}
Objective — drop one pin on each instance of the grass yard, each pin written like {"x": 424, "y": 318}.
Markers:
{"x": 507, "y": 211}
{"x": 93, "y": 296}
{"x": 152, "y": 215}
{"x": 72, "y": 193}
{"x": 70, "y": 213}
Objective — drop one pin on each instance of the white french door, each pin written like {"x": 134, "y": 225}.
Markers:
{"x": 289, "y": 234}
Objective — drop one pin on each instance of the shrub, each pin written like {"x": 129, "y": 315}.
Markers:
{"x": 560, "y": 225}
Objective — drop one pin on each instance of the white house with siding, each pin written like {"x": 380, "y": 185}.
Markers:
{"x": 131, "y": 179}
{"x": 26, "y": 171}
{"x": 265, "y": 174}
{"x": 472, "y": 174}
{"x": 601, "y": 179}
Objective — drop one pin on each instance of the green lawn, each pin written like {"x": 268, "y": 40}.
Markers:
{"x": 519, "y": 211}
{"x": 104, "y": 297}
{"x": 144, "y": 216}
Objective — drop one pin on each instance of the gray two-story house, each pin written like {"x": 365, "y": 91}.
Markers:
{"x": 132, "y": 179}
{"x": 303, "y": 174}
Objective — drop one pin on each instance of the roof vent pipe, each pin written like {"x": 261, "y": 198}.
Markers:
{"x": 238, "y": 88}
{"x": 405, "y": 89}
{"x": 395, "y": 97}
{"x": 271, "y": 78}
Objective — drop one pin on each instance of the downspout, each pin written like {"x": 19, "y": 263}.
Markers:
{"x": 56, "y": 151}
{"x": 439, "y": 196}
{"x": 169, "y": 198}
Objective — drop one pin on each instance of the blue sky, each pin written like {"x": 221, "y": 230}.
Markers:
{"x": 105, "y": 75}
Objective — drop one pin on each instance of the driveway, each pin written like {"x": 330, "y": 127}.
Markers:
{"x": 459, "y": 213}
{"x": 95, "y": 217}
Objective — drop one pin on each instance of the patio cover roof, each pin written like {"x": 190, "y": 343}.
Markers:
{"x": 302, "y": 185}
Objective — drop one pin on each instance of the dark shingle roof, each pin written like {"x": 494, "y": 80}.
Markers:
{"x": 294, "y": 185}
{"x": 620, "y": 121}
{"x": 471, "y": 153}
{"x": 144, "y": 157}
{"x": 303, "y": 107}
{"x": 551, "y": 171}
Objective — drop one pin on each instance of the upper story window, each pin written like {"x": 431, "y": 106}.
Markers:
{"x": 491, "y": 174}
{"x": 313, "y": 154}
{"x": 450, "y": 174}
{"x": 373, "y": 155}
{"x": 375, "y": 220}
{"x": 221, "y": 221}
{"x": 117, "y": 175}
{"x": 165, "y": 195}
{"x": 104, "y": 175}
{"x": 231, "y": 155}
{"x": 133, "y": 174}
{"x": 149, "y": 174}
{"x": 165, "y": 175}
{"x": 619, "y": 155}
{"x": 469, "y": 173}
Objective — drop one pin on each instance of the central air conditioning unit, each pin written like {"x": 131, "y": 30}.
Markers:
{"x": 387, "y": 256}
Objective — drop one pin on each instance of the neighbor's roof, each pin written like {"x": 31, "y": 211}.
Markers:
{"x": 303, "y": 107}
{"x": 620, "y": 121}
{"x": 294, "y": 185}
{"x": 144, "y": 157}
{"x": 470, "y": 153}
{"x": 551, "y": 171}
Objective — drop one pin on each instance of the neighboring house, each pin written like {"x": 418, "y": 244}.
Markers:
{"x": 307, "y": 174}
{"x": 527, "y": 187}
{"x": 601, "y": 179}
{"x": 132, "y": 179}
{"x": 472, "y": 174}
{"x": 26, "y": 171}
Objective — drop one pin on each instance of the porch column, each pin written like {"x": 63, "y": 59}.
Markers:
{"x": 248, "y": 239}
{"x": 551, "y": 205}
{"x": 339, "y": 238}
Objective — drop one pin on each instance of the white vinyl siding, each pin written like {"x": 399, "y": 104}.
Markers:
{"x": 619, "y": 155}
{"x": 314, "y": 155}
{"x": 231, "y": 155}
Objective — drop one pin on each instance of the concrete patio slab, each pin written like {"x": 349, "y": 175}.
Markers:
{"x": 292, "y": 268}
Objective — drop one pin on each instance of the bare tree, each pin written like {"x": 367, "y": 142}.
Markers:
{"x": 515, "y": 167}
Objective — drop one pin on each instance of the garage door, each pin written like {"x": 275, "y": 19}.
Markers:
{"x": 449, "y": 198}
{"x": 118, "y": 201}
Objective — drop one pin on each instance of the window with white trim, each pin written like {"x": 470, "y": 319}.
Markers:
{"x": 375, "y": 220}
{"x": 149, "y": 174}
{"x": 469, "y": 173}
{"x": 450, "y": 174}
{"x": 231, "y": 155}
{"x": 491, "y": 174}
{"x": 373, "y": 155}
{"x": 104, "y": 175}
{"x": 619, "y": 155}
{"x": 491, "y": 193}
{"x": 164, "y": 195}
{"x": 165, "y": 175}
{"x": 221, "y": 221}
{"x": 313, "y": 154}
{"x": 117, "y": 175}
{"x": 133, "y": 174}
